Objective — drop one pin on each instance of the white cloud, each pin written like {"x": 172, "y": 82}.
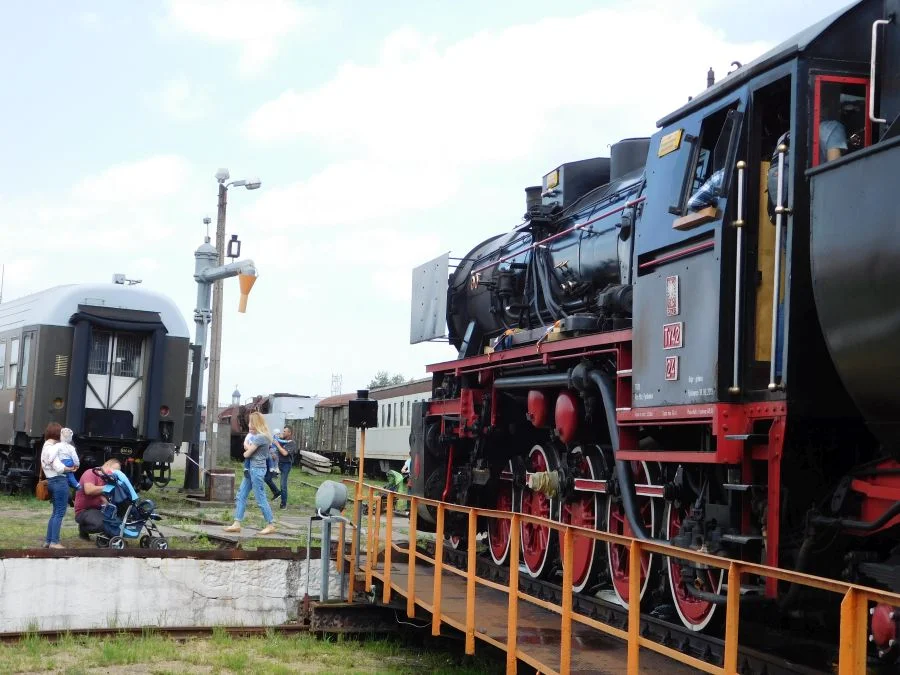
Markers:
{"x": 352, "y": 193}
{"x": 180, "y": 100}
{"x": 423, "y": 116}
{"x": 257, "y": 28}
{"x": 146, "y": 180}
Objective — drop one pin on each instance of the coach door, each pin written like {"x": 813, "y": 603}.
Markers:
{"x": 115, "y": 388}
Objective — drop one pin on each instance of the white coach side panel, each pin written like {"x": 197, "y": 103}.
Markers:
{"x": 390, "y": 440}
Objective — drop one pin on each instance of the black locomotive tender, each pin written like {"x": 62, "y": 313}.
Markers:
{"x": 106, "y": 360}
{"x": 697, "y": 340}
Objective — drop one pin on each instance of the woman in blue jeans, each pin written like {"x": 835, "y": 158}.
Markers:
{"x": 256, "y": 451}
{"x": 55, "y": 471}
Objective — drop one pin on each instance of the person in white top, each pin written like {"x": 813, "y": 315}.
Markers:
{"x": 55, "y": 471}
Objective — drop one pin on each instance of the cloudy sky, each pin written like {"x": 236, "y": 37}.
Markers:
{"x": 384, "y": 133}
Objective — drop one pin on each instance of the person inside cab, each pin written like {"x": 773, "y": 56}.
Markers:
{"x": 832, "y": 132}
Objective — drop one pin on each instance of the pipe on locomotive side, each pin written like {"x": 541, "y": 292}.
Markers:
{"x": 529, "y": 381}
{"x": 581, "y": 378}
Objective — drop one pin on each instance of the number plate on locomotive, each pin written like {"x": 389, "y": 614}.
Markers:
{"x": 671, "y": 367}
{"x": 672, "y": 335}
{"x": 672, "y": 308}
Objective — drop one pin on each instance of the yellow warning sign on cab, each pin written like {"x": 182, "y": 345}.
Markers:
{"x": 670, "y": 142}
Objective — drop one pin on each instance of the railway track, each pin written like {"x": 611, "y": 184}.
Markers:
{"x": 764, "y": 655}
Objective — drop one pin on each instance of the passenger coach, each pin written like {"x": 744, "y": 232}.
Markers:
{"x": 108, "y": 361}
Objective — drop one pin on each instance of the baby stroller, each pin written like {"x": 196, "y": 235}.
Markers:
{"x": 126, "y": 515}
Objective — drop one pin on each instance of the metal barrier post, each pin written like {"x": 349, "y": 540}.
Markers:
{"x": 512, "y": 620}
{"x": 732, "y": 614}
{"x": 325, "y": 556}
{"x": 411, "y": 547}
{"x": 470, "y": 584}
{"x": 376, "y": 537}
{"x": 634, "y": 607}
{"x": 340, "y": 556}
{"x": 388, "y": 547}
{"x": 853, "y": 633}
{"x": 354, "y": 547}
{"x": 565, "y": 645}
{"x": 370, "y": 531}
{"x": 438, "y": 569}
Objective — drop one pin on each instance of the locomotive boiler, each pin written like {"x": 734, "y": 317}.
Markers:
{"x": 693, "y": 341}
{"x": 566, "y": 262}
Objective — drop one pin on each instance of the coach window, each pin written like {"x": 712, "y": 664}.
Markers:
{"x": 2, "y": 363}
{"x": 26, "y": 356}
{"x": 128, "y": 355}
{"x": 98, "y": 364}
{"x": 13, "y": 371}
{"x": 389, "y": 415}
{"x": 401, "y": 413}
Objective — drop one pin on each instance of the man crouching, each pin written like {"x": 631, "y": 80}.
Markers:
{"x": 90, "y": 498}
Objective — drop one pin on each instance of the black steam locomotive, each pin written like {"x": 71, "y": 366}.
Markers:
{"x": 695, "y": 340}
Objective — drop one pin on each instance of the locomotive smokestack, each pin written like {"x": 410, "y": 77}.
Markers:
{"x": 532, "y": 198}
{"x": 710, "y": 78}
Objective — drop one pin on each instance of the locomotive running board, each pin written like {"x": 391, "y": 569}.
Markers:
{"x": 599, "y": 486}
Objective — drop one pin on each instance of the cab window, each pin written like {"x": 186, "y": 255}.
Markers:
{"x": 840, "y": 121}
{"x": 711, "y": 177}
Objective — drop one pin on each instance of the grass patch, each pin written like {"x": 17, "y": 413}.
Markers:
{"x": 273, "y": 653}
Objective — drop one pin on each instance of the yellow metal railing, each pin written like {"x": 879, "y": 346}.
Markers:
{"x": 854, "y": 605}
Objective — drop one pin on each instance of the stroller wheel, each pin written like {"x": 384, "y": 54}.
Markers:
{"x": 117, "y": 543}
{"x": 101, "y": 541}
{"x": 145, "y": 541}
{"x": 159, "y": 544}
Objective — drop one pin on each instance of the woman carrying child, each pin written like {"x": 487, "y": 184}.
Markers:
{"x": 256, "y": 451}
{"x": 55, "y": 471}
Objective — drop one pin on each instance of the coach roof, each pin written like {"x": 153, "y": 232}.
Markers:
{"x": 407, "y": 389}
{"x": 55, "y": 306}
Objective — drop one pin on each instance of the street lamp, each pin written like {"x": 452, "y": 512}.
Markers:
{"x": 215, "y": 347}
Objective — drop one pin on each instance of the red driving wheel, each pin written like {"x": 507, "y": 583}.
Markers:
{"x": 617, "y": 523}
{"x": 540, "y": 543}
{"x": 499, "y": 528}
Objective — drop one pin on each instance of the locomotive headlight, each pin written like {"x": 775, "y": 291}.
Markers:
{"x": 58, "y": 403}
{"x": 164, "y": 411}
